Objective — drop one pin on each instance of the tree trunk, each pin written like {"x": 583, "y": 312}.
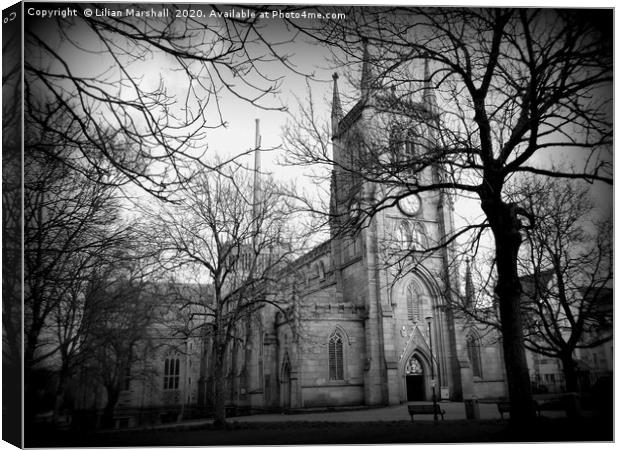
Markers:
{"x": 63, "y": 376}
{"x": 505, "y": 226}
{"x": 58, "y": 400}
{"x": 519, "y": 387}
{"x": 569, "y": 367}
{"x": 219, "y": 387}
{"x": 108, "y": 411}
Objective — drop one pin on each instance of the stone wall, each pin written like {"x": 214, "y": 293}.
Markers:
{"x": 492, "y": 384}
{"x": 333, "y": 395}
{"x": 317, "y": 388}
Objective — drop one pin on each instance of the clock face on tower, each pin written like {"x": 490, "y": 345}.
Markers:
{"x": 410, "y": 205}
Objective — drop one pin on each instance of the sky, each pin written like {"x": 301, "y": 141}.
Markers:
{"x": 87, "y": 57}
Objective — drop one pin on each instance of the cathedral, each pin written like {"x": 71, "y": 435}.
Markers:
{"x": 362, "y": 329}
{"x": 366, "y": 331}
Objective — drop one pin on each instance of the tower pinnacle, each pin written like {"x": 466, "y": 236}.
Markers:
{"x": 428, "y": 95}
{"x": 256, "y": 201}
{"x": 336, "y": 106}
{"x": 366, "y": 81}
{"x": 469, "y": 285}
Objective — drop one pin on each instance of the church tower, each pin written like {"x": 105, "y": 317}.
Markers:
{"x": 384, "y": 265}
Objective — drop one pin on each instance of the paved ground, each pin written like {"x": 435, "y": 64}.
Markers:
{"x": 454, "y": 411}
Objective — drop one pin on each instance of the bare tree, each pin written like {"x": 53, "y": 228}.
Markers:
{"x": 565, "y": 267}
{"x": 110, "y": 124}
{"x": 568, "y": 256}
{"x": 501, "y": 90}
{"x": 237, "y": 239}
{"x": 163, "y": 124}
{"x": 121, "y": 307}
{"x": 66, "y": 330}
{"x": 71, "y": 225}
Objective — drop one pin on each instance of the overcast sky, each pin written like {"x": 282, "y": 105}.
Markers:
{"x": 88, "y": 58}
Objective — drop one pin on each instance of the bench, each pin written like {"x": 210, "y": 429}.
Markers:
{"x": 425, "y": 409}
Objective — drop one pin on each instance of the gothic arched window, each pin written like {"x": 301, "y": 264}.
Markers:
{"x": 405, "y": 236}
{"x": 259, "y": 366}
{"x": 336, "y": 356}
{"x": 419, "y": 236}
{"x": 473, "y": 352}
{"x": 321, "y": 270}
{"x": 395, "y": 142}
{"x": 402, "y": 143}
{"x": 171, "y": 373}
{"x": 412, "y": 235}
{"x": 413, "y": 303}
{"x": 403, "y": 148}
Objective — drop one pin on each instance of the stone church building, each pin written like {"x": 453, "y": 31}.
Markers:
{"x": 362, "y": 329}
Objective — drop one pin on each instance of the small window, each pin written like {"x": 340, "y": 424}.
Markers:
{"x": 171, "y": 373}
{"x": 336, "y": 367}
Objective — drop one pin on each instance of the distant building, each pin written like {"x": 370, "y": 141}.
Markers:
{"x": 158, "y": 376}
{"x": 593, "y": 364}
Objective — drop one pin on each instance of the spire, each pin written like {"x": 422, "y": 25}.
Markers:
{"x": 428, "y": 95}
{"x": 469, "y": 285}
{"x": 336, "y": 106}
{"x": 256, "y": 201}
{"x": 366, "y": 81}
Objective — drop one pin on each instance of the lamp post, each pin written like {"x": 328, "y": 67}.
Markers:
{"x": 430, "y": 341}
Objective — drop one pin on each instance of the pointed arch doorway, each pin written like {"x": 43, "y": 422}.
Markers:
{"x": 415, "y": 380}
{"x": 285, "y": 384}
